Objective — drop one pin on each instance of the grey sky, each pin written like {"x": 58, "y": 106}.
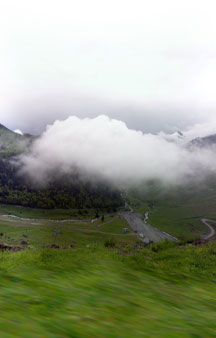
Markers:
{"x": 151, "y": 63}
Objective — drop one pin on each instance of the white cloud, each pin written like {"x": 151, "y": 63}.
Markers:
{"x": 107, "y": 148}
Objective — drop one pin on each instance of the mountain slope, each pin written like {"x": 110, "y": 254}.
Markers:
{"x": 12, "y": 143}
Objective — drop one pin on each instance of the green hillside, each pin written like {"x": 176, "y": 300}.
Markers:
{"x": 12, "y": 143}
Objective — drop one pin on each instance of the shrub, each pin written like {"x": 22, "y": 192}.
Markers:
{"x": 110, "y": 243}
{"x": 156, "y": 247}
{"x": 128, "y": 248}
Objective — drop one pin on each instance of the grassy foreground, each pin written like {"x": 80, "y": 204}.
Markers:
{"x": 166, "y": 290}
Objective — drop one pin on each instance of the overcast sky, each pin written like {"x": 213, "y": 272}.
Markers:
{"x": 149, "y": 63}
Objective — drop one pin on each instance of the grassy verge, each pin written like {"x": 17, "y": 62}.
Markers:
{"x": 157, "y": 292}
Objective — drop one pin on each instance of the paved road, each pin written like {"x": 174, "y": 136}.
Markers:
{"x": 212, "y": 230}
{"x": 144, "y": 230}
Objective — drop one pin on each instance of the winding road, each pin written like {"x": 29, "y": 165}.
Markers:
{"x": 212, "y": 230}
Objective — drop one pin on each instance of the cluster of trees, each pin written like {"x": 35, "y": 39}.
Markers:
{"x": 67, "y": 192}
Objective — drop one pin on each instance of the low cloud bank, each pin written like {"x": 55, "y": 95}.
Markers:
{"x": 106, "y": 148}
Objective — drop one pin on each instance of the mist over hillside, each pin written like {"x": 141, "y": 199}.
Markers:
{"x": 106, "y": 148}
{"x": 92, "y": 159}
{"x": 63, "y": 190}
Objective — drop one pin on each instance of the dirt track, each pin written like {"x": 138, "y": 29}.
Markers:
{"x": 144, "y": 230}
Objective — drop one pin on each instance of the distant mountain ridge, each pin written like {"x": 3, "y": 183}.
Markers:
{"x": 204, "y": 142}
{"x": 2, "y": 127}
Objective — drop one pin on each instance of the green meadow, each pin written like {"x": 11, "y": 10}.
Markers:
{"x": 160, "y": 291}
{"x": 101, "y": 282}
{"x": 38, "y": 233}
